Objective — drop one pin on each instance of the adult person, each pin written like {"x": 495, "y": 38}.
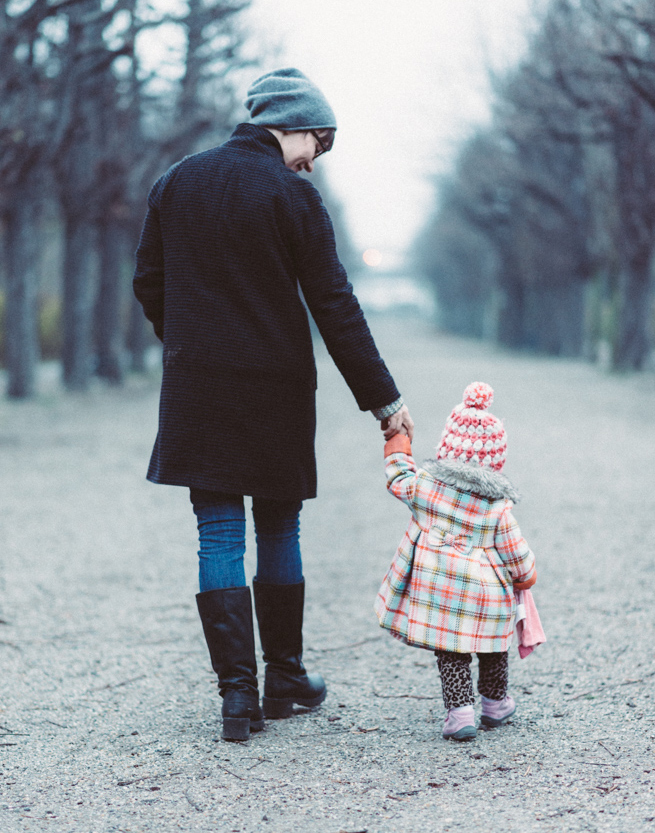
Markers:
{"x": 230, "y": 235}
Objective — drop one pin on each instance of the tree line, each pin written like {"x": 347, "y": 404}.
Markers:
{"x": 543, "y": 235}
{"x": 97, "y": 99}
{"x": 87, "y": 122}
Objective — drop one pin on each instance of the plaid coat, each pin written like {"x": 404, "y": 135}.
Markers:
{"x": 451, "y": 582}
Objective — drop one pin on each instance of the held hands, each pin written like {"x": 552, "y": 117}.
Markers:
{"x": 398, "y": 423}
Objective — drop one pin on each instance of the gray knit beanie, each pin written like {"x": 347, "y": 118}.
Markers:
{"x": 287, "y": 99}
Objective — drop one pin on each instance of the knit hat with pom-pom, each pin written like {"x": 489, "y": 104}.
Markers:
{"x": 472, "y": 434}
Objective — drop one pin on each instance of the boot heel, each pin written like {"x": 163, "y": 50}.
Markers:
{"x": 275, "y": 709}
{"x": 236, "y": 728}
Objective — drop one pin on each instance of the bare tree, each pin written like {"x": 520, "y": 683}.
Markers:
{"x": 27, "y": 118}
{"x": 563, "y": 185}
{"x": 79, "y": 111}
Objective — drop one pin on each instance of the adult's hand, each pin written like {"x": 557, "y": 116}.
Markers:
{"x": 398, "y": 423}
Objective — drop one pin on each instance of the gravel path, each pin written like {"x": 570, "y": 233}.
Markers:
{"x": 108, "y": 707}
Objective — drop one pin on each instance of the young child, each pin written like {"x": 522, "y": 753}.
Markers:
{"x": 450, "y": 587}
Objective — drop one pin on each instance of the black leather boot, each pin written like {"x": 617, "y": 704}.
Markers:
{"x": 226, "y": 617}
{"x": 279, "y": 610}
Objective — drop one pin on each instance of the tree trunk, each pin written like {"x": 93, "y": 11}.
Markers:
{"x": 634, "y": 338}
{"x": 21, "y": 328}
{"x": 108, "y": 324}
{"x": 571, "y": 319}
{"x": 635, "y": 152}
{"x": 512, "y": 324}
{"x": 558, "y": 318}
{"x": 511, "y": 327}
{"x": 79, "y": 263}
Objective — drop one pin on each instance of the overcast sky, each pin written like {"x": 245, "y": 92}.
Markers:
{"x": 407, "y": 80}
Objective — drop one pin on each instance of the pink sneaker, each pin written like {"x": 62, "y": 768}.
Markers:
{"x": 496, "y": 712}
{"x": 460, "y": 724}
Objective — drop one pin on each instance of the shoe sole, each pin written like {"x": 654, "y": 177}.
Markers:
{"x": 279, "y": 708}
{"x": 465, "y": 733}
{"x": 495, "y": 722}
{"x": 239, "y": 728}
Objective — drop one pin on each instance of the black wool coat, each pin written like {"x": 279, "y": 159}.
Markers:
{"x": 229, "y": 237}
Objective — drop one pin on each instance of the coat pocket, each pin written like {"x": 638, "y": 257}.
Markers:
{"x": 494, "y": 571}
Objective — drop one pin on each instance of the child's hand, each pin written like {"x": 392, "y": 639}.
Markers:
{"x": 398, "y": 423}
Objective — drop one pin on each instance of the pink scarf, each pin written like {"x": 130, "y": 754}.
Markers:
{"x": 528, "y": 625}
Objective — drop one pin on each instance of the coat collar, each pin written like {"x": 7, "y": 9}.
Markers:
{"x": 467, "y": 478}
{"x": 256, "y": 139}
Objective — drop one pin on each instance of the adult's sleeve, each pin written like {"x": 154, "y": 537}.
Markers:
{"x": 332, "y": 303}
{"x": 148, "y": 282}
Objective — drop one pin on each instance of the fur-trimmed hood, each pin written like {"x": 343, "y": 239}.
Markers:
{"x": 468, "y": 478}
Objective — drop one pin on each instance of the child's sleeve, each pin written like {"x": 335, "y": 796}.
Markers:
{"x": 400, "y": 468}
{"x": 514, "y": 551}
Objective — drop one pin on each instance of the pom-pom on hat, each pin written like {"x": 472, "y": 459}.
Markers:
{"x": 285, "y": 98}
{"x": 473, "y": 435}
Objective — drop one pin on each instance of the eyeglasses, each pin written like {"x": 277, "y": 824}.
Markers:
{"x": 324, "y": 148}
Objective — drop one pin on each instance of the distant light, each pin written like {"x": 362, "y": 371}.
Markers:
{"x": 372, "y": 257}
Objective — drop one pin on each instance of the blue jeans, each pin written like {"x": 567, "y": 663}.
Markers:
{"x": 222, "y": 533}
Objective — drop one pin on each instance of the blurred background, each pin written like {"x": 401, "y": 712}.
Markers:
{"x": 493, "y": 172}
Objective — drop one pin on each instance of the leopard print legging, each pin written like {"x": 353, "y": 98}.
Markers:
{"x": 456, "y": 683}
